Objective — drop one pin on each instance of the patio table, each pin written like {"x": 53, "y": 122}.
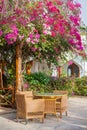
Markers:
{"x": 50, "y": 101}
{"x": 48, "y": 95}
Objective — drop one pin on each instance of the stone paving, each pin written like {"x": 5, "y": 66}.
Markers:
{"x": 76, "y": 119}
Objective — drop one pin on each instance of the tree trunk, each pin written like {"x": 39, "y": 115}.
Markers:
{"x": 18, "y": 68}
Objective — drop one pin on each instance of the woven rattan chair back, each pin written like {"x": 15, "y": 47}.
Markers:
{"x": 28, "y": 94}
{"x": 28, "y": 108}
{"x": 62, "y": 105}
{"x": 50, "y": 106}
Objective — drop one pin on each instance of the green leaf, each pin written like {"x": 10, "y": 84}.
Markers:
{"x": 11, "y": 2}
{"x": 1, "y": 44}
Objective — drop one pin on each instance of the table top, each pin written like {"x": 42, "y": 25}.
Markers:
{"x": 48, "y": 94}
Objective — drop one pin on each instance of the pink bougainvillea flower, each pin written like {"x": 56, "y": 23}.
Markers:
{"x": 75, "y": 19}
{"x": 21, "y": 37}
{"x": 49, "y": 3}
{"x": 35, "y": 13}
{"x": 3, "y": 22}
{"x": 12, "y": 18}
{"x": 33, "y": 41}
{"x": 33, "y": 49}
{"x": 73, "y": 31}
{"x": 77, "y": 5}
{"x": 53, "y": 34}
{"x": 78, "y": 37}
{"x": 22, "y": 21}
{"x": 70, "y": 62}
{"x": 32, "y": 18}
{"x": 56, "y": 50}
{"x": 28, "y": 40}
{"x": 70, "y": 5}
{"x": 81, "y": 48}
{"x": 50, "y": 21}
{"x": 26, "y": 85}
{"x": 36, "y": 31}
{"x": 43, "y": 19}
{"x": 10, "y": 38}
{"x": 59, "y": 2}
{"x": 37, "y": 36}
{"x": 53, "y": 9}
{"x": 31, "y": 36}
{"x": 71, "y": 41}
{"x": 79, "y": 43}
{"x": 14, "y": 29}
{"x": 45, "y": 32}
{"x": 18, "y": 11}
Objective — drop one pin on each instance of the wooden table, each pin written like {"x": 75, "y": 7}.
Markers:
{"x": 48, "y": 95}
{"x": 50, "y": 101}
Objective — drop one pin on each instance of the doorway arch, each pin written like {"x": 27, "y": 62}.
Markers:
{"x": 73, "y": 70}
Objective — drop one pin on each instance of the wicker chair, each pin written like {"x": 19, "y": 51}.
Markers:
{"x": 50, "y": 106}
{"x": 28, "y": 108}
{"x": 61, "y": 105}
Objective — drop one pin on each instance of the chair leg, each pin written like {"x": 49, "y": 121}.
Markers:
{"x": 57, "y": 117}
{"x": 26, "y": 120}
{"x": 44, "y": 115}
{"x": 60, "y": 114}
{"x": 17, "y": 118}
{"x": 66, "y": 113}
{"x": 42, "y": 120}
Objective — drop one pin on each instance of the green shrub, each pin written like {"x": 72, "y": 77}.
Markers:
{"x": 81, "y": 86}
{"x": 37, "y": 81}
{"x": 43, "y": 83}
{"x": 62, "y": 84}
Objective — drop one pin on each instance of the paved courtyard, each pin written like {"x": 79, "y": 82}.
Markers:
{"x": 76, "y": 119}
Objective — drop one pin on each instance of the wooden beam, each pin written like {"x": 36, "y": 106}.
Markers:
{"x": 1, "y": 80}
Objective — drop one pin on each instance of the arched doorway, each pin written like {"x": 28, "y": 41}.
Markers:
{"x": 73, "y": 70}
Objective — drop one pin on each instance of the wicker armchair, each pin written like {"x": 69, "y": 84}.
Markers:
{"x": 61, "y": 105}
{"x": 29, "y": 108}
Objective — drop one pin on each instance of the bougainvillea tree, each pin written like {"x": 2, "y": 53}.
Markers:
{"x": 42, "y": 29}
